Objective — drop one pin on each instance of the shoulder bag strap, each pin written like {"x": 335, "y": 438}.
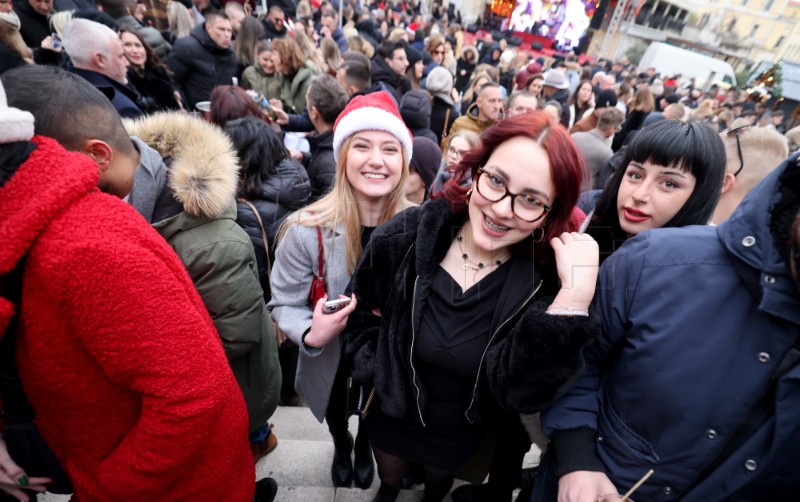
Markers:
{"x": 263, "y": 234}
{"x": 319, "y": 244}
{"x": 446, "y": 121}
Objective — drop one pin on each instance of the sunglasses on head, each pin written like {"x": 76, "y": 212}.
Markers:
{"x": 738, "y": 146}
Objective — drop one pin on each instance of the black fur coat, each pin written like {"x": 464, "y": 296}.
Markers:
{"x": 532, "y": 357}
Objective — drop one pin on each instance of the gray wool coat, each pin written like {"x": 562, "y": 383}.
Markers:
{"x": 296, "y": 264}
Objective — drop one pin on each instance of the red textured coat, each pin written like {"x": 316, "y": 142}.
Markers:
{"x": 116, "y": 351}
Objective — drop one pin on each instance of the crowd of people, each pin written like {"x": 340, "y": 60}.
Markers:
{"x": 213, "y": 209}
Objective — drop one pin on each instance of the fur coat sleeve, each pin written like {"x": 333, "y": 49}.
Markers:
{"x": 541, "y": 358}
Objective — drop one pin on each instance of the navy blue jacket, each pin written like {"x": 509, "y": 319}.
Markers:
{"x": 695, "y": 322}
{"x": 123, "y": 97}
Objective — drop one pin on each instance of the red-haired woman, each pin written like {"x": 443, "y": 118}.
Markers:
{"x": 230, "y": 102}
{"x": 473, "y": 305}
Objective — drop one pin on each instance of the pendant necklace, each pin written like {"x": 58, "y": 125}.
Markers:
{"x": 471, "y": 265}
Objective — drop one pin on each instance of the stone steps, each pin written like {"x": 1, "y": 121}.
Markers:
{"x": 301, "y": 463}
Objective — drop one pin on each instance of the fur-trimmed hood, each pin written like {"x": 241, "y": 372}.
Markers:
{"x": 204, "y": 172}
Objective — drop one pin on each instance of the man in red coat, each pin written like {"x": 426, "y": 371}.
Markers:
{"x": 115, "y": 349}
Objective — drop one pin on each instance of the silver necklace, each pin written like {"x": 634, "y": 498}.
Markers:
{"x": 471, "y": 265}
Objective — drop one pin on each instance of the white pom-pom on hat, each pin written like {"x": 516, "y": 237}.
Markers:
{"x": 15, "y": 125}
{"x": 371, "y": 112}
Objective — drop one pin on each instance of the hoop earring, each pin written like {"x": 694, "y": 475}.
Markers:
{"x": 469, "y": 193}
{"x": 539, "y": 239}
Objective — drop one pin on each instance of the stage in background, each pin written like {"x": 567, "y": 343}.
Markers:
{"x": 563, "y": 21}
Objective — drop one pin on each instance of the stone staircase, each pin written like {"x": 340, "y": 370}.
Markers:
{"x": 301, "y": 463}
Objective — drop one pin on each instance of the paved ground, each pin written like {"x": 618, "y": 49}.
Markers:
{"x": 301, "y": 463}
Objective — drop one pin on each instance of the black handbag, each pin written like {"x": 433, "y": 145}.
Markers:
{"x": 359, "y": 398}
{"x": 25, "y": 445}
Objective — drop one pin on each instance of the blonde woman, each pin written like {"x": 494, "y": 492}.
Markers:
{"x": 12, "y": 48}
{"x": 331, "y": 56}
{"x": 358, "y": 44}
{"x": 309, "y": 49}
{"x": 179, "y": 21}
{"x": 372, "y": 148}
{"x": 478, "y": 80}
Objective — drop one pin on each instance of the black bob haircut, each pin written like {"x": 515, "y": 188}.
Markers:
{"x": 694, "y": 148}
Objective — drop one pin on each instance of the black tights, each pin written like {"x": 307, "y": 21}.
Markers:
{"x": 392, "y": 469}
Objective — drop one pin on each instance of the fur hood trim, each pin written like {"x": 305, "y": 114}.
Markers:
{"x": 204, "y": 168}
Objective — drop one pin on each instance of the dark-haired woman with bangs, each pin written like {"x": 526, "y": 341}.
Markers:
{"x": 474, "y": 305}
{"x": 671, "y": 176}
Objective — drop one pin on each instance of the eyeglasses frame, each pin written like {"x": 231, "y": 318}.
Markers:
{"x": 509, "y": 193}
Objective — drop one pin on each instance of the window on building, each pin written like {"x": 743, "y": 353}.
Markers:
{"x": 704, "y": 19}
{"x": 754, "y": 30}
{"x": 744, "y": 2}
{"x": 779, "y": 42}
{"x": 768, "y": 6}
{"x": 732, "y": 24}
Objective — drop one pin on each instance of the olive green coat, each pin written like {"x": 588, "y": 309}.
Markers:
{"x": 198, "y": 220}
{"x": 293, "y": 89}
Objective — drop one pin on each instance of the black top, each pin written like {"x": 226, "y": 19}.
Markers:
{"x": 453, "y": 334}
{"x": 366, "y": 233}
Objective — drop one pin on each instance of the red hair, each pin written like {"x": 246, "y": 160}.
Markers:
{"x": 230, "y": 102}
{"x": 566, "y": 169}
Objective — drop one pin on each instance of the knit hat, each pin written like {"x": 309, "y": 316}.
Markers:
{"x": 413, "y": 55}
{"x": 555, "y": 79}
{"x": 371, "y": 112}
{"x": 440, "y": 84}
{"x": 606, "y": 99}
{"x": 15, "y": 125}
{"x": 426, "y": 159}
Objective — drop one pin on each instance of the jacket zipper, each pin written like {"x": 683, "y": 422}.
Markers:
{"x": 411, "y": 353}
{"x": 485, "y": 350}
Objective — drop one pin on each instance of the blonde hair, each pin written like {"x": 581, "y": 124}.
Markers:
{"x": 763, "y": 149}
{"x": 643, "y": 100}
{"x": 179, "y": 21}
{"x": 10, "y": 36}
{"x": 358, "y": 44}
{"x": 59, "y": 20}
{"x": 303, "y": 9}
{"x": 308, "y": 50}
{"x": 397, "y": 34}
{"x": 336, "y": 208}
{"x": 330, "y": 55}
{"x": 471, "y": 91}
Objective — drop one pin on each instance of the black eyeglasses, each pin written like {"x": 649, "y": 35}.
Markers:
{"x": 738, "y": 146}
{"x": 493, "y": 188}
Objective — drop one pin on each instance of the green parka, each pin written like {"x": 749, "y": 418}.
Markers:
{"x": 268, "y": 86}
{"x": 293, "y": 89}
{"x": 196, "y": 215}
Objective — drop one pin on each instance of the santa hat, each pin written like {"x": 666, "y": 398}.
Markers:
{"x": 411, "y": 29}
{"x": 15, "y": 125}
{"x": 371, "y": 112}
